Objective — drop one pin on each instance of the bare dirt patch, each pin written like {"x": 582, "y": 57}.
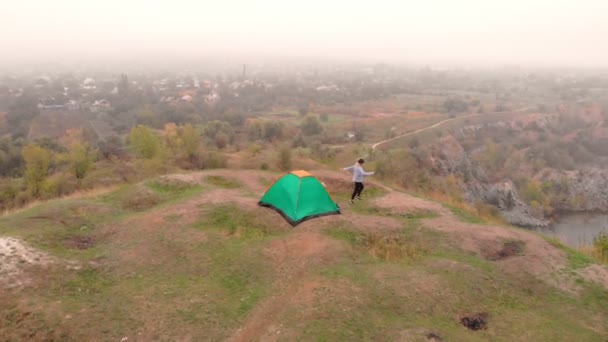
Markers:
{"x": 508, "y": 249}
{"x": 294, "y": 256}
{"x": 434, "y": 337}
{"x": 298, "y": 245}
{"x": 15, "y": 258}
{"x": 81, "y": 242}
{"x": 400, "y": 203}
{"x": 478, "y": 321}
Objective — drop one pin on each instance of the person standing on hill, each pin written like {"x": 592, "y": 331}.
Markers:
{"x": 358, "y": 174}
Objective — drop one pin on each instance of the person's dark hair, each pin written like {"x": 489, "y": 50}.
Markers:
{"x": 361, "y": 161}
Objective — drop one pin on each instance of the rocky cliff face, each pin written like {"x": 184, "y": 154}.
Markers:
{"x": 504, "y": 196}
{"x": 585, "y": 189}
{"x": 453, "y": 159}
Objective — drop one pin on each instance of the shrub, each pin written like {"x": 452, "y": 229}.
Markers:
{"x": 59, "y": 185}
{"x": 284, "y": 158}
{"x": 600, "y": 247}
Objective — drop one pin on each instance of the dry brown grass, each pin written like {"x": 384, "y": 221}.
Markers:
{"x": 484, "y": 213}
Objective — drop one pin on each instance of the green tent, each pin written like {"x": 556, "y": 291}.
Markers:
{"x": 298, "y": 196}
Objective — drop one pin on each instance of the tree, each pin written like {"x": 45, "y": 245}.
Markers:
{"x": 78, "y": 156}
{"x": 11, "y": 160}
{"x": 80, "y": 160}
{"x": 311, "y": 125}
{"x": 219, "y": 133}
{"x": 255, "y": 129}
{"x": 144, "y": 143}
{"x": 37, "y": 162}
{"x": 112, "y": 146}
{"x": 455, "y": 105}
{"x": 221, "y": 140}
{"x": 284, "y": 158}
{"x": 190, "y": 140}
{"x": 171, "y": 136}
{"x": 273, "y": 130}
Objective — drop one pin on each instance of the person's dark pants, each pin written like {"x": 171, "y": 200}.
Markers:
{"x": 358, "y": 189}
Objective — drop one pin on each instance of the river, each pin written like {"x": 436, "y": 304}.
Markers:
{"x": 577, "y": 229}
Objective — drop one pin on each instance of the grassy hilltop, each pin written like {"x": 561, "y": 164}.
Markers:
{"x": 191, "y": 257}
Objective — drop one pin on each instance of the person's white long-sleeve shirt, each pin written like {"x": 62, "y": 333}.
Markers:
{"x": 358, "y": 172}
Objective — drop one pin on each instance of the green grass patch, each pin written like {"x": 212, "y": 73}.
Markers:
{"x": 465, "y": 215}
{"x": 144, "y": 196}
{"x": 404, "y": 245}
{"x": 419, "y": 215}
{"x": 553, "y": 241}
{"x": 223, "y": 182}
{"x": 86, "y": 283}
{"x": 66, "y": 228}
{"x": 237, "y": 222}
{"x": 575, "y": 258}
{"x": 349, "y": 236}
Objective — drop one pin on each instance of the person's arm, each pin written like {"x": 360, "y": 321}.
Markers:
{"x": 349, "y": 169}
{"x": 365, "y": 174}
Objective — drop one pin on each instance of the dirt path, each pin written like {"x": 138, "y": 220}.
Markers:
{"x": 294, "y": 256}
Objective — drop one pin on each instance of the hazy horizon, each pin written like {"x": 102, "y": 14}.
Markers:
{"x": 466, "y": 33}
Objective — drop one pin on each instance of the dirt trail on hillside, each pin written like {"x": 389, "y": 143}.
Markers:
{"x": 376, "y": 145}
{"x": 294, "y": 256}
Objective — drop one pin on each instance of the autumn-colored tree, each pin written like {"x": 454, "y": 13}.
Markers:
{"x": 80, "y": 160}
{"x": 37, "y": 162}
{"x": 144, "y": 143}
{"x": 78, "y": 156}
{"x": 171, "y": 136}
{"x": 190, "y": 138}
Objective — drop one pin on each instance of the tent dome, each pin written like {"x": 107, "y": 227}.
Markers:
{"x": 299, "y": 196}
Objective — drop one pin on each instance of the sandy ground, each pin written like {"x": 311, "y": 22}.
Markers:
{"x": 15, "y": 258}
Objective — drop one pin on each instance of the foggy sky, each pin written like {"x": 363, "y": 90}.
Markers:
{"x": 468, "y": 32}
